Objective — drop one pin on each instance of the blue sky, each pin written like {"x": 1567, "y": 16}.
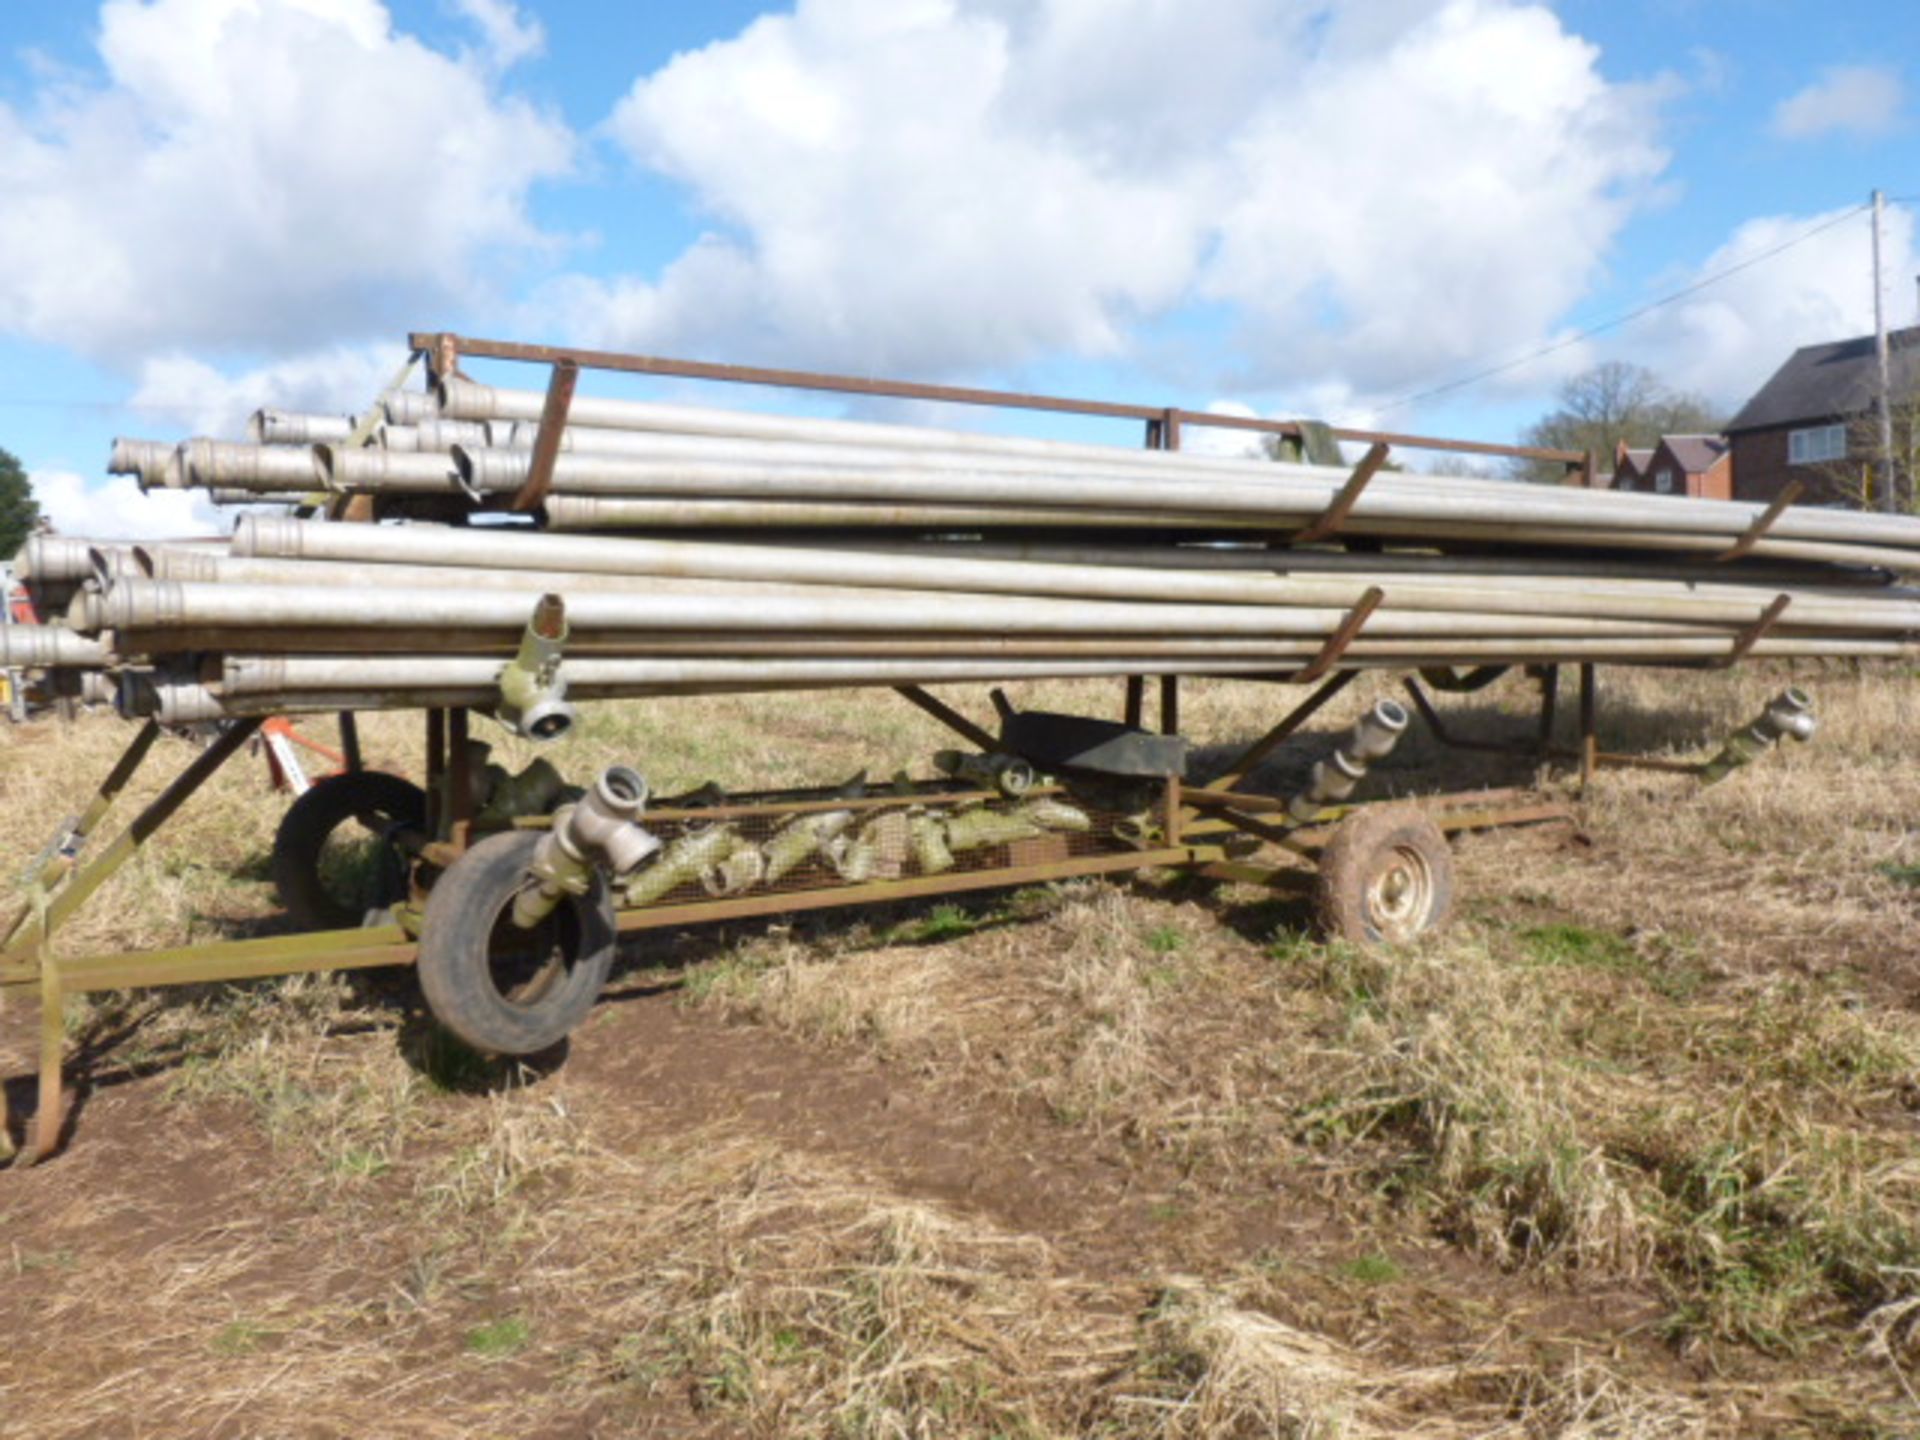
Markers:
{"x": 1290, "y": 206}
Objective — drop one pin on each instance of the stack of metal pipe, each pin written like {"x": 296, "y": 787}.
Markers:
{"x": 727, "y": 550}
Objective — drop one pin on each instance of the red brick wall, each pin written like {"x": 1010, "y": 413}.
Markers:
{"x": 1761, "y": 471}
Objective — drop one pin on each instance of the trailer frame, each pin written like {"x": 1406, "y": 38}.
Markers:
{"x": 1205, "y": 829}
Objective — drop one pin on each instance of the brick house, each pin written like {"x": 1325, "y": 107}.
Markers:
{"x": 1700, "y": 466}
{"x": 1812, "y": 421}
{"x": 1628, "y": 466}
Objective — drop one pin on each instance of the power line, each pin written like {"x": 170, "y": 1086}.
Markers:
{"x": 1617, "y": 321}
{"x": 52, "y": 403}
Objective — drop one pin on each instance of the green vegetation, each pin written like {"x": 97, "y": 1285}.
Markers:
{"x": 1613, "y": 403}
{"x": 497, "y": 1339}
{"x": 19, "y": 511}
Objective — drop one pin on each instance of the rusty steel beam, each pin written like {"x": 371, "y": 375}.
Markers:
{"x": 1249, "y": 759}
{"x": 1336, "y": 513}
{"x": 546, "y": 444}
{"x": 1756, "y": 532}
{"x": 947, "y": 716}
{"x": 444, "y": 344}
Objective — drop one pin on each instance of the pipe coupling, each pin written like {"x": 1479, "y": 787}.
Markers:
{"x": 601, "y": 829}
{"x": 1371, "y": 739}
{"x": 533, "y": 690}
{"x": 1009, "y": 774}
{"x": 1789, "y": 715}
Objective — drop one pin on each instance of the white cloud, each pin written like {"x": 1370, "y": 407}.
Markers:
{"x": 257, "y": 171}
{"x": 1725, "y": 341}
{"x": 179, "y": 390}
{"x": 1862, "y": 100}
{"x": 117, "y": 508}
{"x": 509, "y": 36}
{"x": 930, "y": 185}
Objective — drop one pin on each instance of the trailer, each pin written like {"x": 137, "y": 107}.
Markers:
{"x": 509, "y": 894}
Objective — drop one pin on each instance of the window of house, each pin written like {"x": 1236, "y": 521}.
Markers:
{"x": 1663, "y": 480}
{"x": 1816, "y": 445}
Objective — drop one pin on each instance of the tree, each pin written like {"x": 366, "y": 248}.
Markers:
{"x": 19, "y": 511}
{"x": 1613, "y": 403}
{"x": 1857, "y": 478}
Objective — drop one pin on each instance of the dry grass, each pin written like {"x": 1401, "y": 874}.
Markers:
{"x": 1628, "y": 1154}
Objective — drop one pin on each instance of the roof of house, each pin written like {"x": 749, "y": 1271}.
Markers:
{"x": 1696, "y": 453}
{"x": 1638, "y": 458}
{"x": 1819, "y": 382}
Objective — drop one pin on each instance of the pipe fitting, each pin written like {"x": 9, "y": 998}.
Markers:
{"x": 1371, "y": 739}
{"x": 1376, "y": 733}
{"x": 1789, "y": 715}
{"x": 601, "y": 830}
{"x": 1010, "y": 775}
{"x": 536, "y": 790}
{"x": 533, "y": 691}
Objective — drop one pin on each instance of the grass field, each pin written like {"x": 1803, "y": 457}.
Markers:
{"x": 1629, "y": 1152}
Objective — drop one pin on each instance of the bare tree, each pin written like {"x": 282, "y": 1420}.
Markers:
{"x": 1612, "y": 403}
{"x": 1857, "y": 478}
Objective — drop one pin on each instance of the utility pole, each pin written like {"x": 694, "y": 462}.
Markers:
{"x": 1888, "y": 501}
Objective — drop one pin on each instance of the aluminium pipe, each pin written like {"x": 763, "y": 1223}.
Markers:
{"x": 150, "y": 460}
{"x": 24, "y": 647}
{"x": 530, "y": 584}
{"x": 288, "y": 427}
{"x": 410, "y": 407}
{"x": 127, "y": 645}
{"x": 1296, "y": 494}
{"x": 304, "y": 495}
{"x": 710, "y": 454}
{"x": 560, "y": 555}
{"x": 589, "y": 513}
{"x": 595, "y": 512}
{"x": 433, "y": 434}
{"x": 230, "y": 466}
{"x": 282, "y": 674}
{"x": 1258, "y": 555}
{"x": 466, "y": 399}
{"x": 138, "y": 604}
{"x": 337, "y": 467}
{"x": 54, "y": 559}
{"x": 183, "y": 702}
{"x": 133, "y": 645}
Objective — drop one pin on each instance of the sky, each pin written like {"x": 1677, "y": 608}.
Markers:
{"x": 1420, "y": 215}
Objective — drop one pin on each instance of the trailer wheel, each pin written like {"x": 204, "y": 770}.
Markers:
{"x": 1385, "y": 877}
{"x": 331, "y": 872}
{"x": 502, "y": 989}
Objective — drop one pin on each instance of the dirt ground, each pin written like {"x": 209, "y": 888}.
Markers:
{"x": 1629, "y": 1151}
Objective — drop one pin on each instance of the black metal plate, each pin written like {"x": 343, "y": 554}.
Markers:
{"x": 1101, "y": 747}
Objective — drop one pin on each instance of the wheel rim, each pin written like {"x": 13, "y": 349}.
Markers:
{"x": 1400, "y": 894}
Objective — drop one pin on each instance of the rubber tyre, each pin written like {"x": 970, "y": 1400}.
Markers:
{"x": 504, "y": 990}
{"x": 372, "y": 798}
{"x": 1386, "y": 877}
